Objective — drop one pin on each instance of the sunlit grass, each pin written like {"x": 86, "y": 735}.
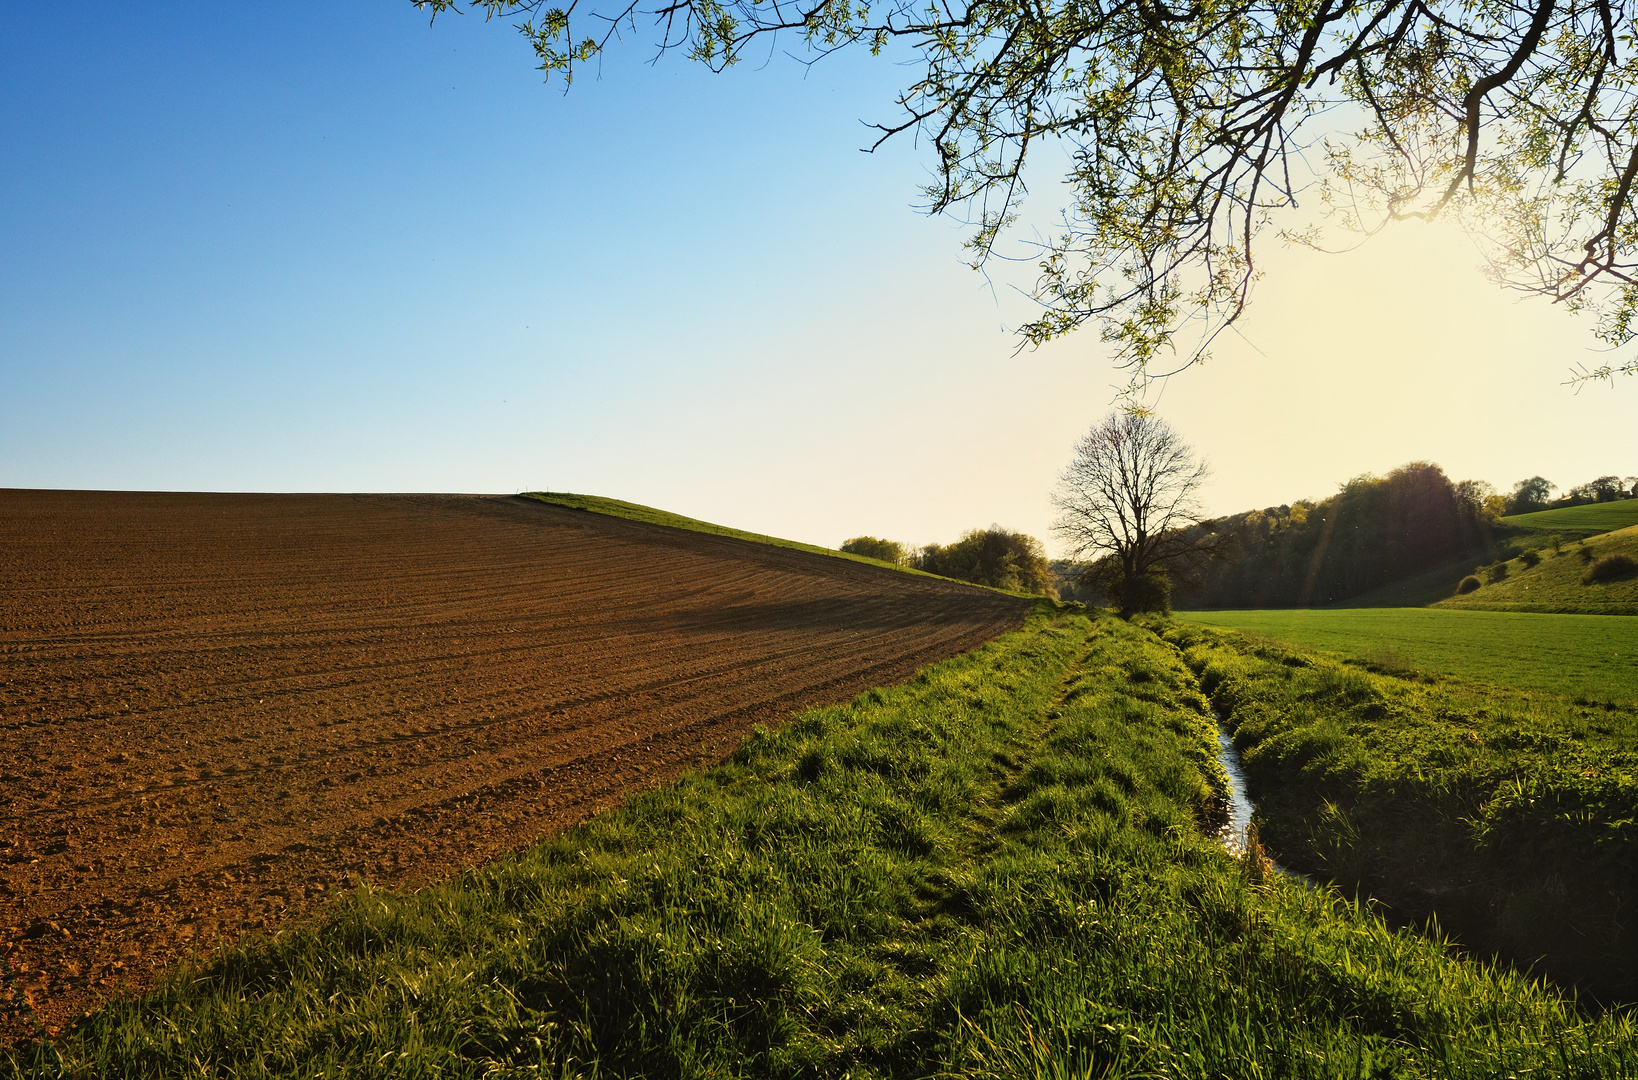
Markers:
{"x": 1558, "y": 581}
{"x": 1592, "y": 517}
{"x": 1592, "y": 656}
{"x": 1002, "y": 868}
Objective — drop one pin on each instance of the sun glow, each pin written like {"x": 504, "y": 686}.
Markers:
{"x": 1398, "y": 350}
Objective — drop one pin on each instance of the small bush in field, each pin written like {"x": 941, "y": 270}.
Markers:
{"x": 1610, "y": 568}
{"x": 1529, "y": 556}
{"x": 1495, "y": 572}
{"x": 1585, "y": 552}
{"x": 1467, "y": 585}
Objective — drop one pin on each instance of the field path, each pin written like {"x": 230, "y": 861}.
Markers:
{"x": 216, "y": 708}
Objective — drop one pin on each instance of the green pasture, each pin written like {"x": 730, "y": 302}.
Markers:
{"x": 1590, "y": 518}
{"x": 1004, "y": 867}
{"x": 1590, "y": 656}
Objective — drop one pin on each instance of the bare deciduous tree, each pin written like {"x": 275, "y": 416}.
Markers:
{"x": 1129, "y": 496}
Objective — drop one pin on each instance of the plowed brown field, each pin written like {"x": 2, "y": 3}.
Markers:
{"x": 216, "y": 708}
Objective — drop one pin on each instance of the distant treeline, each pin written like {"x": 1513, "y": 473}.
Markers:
{"x": 1376, "y": 530}
{"x": 1536, "y": 493}
{"x": 994, "y": 556}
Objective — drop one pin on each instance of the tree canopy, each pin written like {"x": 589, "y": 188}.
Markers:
{"x": 1535, "y": 493}
{"x": 1191, "y": 126}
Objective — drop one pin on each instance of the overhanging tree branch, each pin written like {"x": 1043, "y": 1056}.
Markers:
{"x": 1181, "y": 122}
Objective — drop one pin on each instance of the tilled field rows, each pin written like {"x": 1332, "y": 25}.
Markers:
{"x": 214, "y": 708}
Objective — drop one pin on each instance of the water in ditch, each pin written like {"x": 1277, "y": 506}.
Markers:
{"x": 1233, "y": 833}
{"x": 1240, "y": 807}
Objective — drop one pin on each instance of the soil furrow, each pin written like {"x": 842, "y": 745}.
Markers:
{"x": 215, "y": 708}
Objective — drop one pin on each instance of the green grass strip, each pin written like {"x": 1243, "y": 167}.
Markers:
{"x": 1590, "y": 518}
{"x": 1000, "y": 868}
{"x": 1590, "y": 656}
{"x": 598, "y": 504}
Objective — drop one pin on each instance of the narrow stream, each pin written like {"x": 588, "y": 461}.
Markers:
{"x": 1233, "y": 834}
{"x": 1240, "y": 807}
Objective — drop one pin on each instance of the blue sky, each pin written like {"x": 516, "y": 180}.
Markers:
{"x": 326, "y": 247}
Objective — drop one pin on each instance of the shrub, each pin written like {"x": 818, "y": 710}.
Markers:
{"x": 1467, "y": 585}
{"x": 1495, "y": 571}
{"x": 1610, "y": 568}
{"x": 1529, "y": 556}
{"x": 1585, "y": 552}
{"x": 888, "y": 551}
{"x": 993, "y": 556}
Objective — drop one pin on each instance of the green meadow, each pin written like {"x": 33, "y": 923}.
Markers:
{"x": 1589, "y": 656}
{"x": 1004, "y": 867}
{"x": 1588, "y": 518}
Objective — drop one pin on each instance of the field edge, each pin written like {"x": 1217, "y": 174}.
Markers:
{"x": 648, "y": 515}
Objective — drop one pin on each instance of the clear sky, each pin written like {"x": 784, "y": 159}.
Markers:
{"x": 324, "y": 247}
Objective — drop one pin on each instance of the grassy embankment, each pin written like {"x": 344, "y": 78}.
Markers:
{"x": 1000, "y": 868}
{"x": 1511, "y": 817}
{"x": 598, "y": 504}
{"x": 619, "y": 508}
{"x": 1594, "y": 657}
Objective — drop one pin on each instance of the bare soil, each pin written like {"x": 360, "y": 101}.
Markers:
{"x": 216, "y": 708}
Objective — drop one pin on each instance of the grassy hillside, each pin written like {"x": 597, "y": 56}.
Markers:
{"x": 1001, "y": 868}
{"x": 1558, "y": 582}
{"x": 1590, "y": 519}
{"x": 1590, "y": 656}
{"x": 1507, "y": 815}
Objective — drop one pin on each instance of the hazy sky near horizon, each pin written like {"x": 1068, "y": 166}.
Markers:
{"x": 305, "y": 247}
